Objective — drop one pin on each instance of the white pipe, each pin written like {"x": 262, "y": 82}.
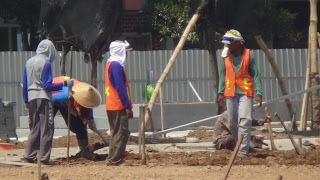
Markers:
{"x": 213, "y": 117}
{"x": 194, "y": 90}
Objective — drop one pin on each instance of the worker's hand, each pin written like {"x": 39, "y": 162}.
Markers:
{"x": 129, "y": 113}
{"x": 258, "y": 100}
{"x": 221, "y": 99}
{"x": 68, "y": 82}
{"x": 91, "y": 124}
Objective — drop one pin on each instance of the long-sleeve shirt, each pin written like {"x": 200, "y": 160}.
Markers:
{"x": 33, "y": 86}
{"x": 253, "y": 71}
{"x": 117, "y": 79}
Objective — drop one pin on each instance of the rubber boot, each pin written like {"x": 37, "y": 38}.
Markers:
{"x": 84, "y": 152}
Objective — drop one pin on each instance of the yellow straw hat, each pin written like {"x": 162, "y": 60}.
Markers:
{"x": 86, "y": 95}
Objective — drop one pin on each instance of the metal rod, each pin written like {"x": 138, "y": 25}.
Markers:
{"x": 194, "y": 90}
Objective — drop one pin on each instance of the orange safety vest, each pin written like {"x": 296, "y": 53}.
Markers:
{"x": 113, "y": 101}
{"x": 242, "y": 78}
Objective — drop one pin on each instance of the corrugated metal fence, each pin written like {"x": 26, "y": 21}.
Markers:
{"x": 190, "y": 64}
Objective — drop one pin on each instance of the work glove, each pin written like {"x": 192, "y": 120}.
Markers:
{"x": 129, "y": 113}
{"x": 221, "y": 99}
{"x": 91, "y": 124}
{"x": 258, "y": 100}
{"x": 68, "y": 82}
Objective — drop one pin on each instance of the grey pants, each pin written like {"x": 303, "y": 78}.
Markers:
{"x": 119, "y": 128}
{"x": 239, "y": 109}
{"x": 41, "y": 129}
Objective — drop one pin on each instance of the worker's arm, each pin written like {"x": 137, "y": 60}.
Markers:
{"x": 221, "y": 83}
{"x": 254, "y": 73}
{"x": 46, "y": 79}
{"x": 61, "y": 96}
{"x": 25, "y": 86}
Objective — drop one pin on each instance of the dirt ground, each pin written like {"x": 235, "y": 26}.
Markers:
{"x": 197, "y": 165}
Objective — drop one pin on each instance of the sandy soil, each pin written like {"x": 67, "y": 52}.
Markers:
{"x": 198, "y": 165}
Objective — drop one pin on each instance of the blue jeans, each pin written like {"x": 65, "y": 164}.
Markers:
{"x": 239, "y": 110}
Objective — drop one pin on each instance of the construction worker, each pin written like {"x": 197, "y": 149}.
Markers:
{"x": 37, "y": 87}
{"x": 118, "y": 101}
{"x": 222, "y": 138}
{"x": 83, "y": 98}
{"x": 239, "y": 82}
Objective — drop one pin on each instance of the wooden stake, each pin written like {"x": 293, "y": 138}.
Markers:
{"x": 235, "y": 152}
{"x": 144, "y": 160}
{"x": 39, "y": 165}
{"x": 299, "y": 150}
{"x": 273, "y": 146}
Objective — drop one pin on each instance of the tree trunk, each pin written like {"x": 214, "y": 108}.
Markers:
{"x": 304, "y": 108}
{"x": 314, "y": 64}
{"x": 63, "y": 61}
{"x": 94, "y": 72}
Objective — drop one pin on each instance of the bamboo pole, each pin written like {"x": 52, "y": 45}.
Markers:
{"x": 314, "y": 63}
{"x": 276, "y": 71}
{"x": 176, "y": 52}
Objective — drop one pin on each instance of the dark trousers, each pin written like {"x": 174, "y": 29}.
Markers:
{"x": 119, "y": 128}
{"x": 41, "y": 129}
{"x": 77, "y": 126}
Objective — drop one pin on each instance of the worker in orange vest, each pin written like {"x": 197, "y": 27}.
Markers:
{"x": 84, "y": 97}
{"x": 118, "y": 101}
{"x": 239, "y": 83}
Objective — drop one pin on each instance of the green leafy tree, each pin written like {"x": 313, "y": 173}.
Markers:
{"x": 169, "y": 19}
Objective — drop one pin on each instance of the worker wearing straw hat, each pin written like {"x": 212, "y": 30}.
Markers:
{"x": 84, "y": 98}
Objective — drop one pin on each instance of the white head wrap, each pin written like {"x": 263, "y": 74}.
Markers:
{"x": 118, "y": 50}
{"x": 228, "y": 38}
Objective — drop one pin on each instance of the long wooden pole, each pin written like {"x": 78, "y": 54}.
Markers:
{"x": 176, "y": 52}
{"x": 299, "y": 150}
{"x": 235, "y": 152}
{"x": 69, "y": 107}
{"x": 276, "y": 71}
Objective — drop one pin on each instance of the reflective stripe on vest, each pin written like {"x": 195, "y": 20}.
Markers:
{"x": 113, "y": 101}
{"x": 242, "y": 78}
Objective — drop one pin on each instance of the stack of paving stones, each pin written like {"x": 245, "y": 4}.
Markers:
{"x": 7, "y": 122}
